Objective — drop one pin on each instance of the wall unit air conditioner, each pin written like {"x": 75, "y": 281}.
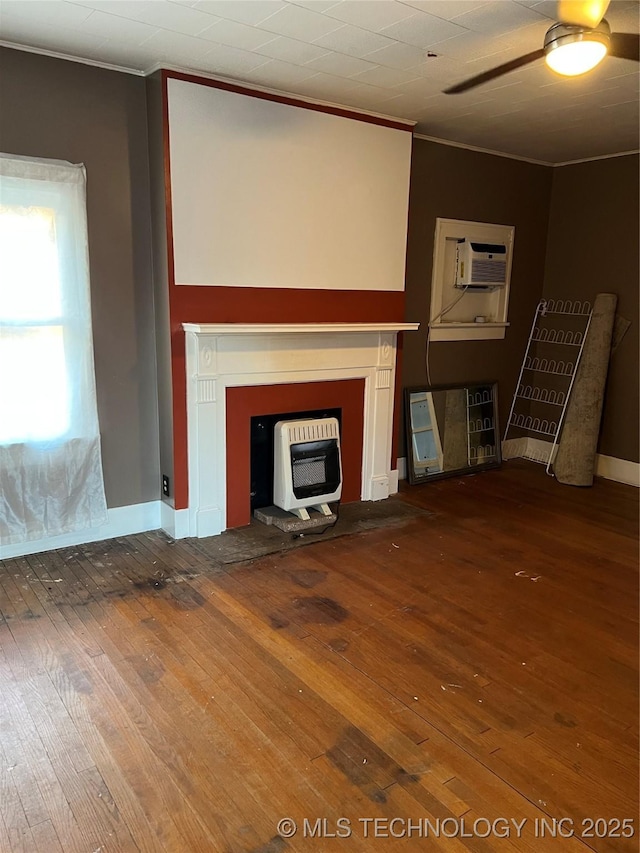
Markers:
{"x": 307, "y": 468}
{"x": 480, "y": 266}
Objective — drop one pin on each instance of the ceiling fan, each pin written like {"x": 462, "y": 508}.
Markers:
{"x": 575, "y": 44}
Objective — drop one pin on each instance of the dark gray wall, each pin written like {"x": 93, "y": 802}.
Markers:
{"x": 161, "y": 275}
{"x": 593, "y": 248}
{"x": 456, "y": 183}
{"x": 65, "y": 110}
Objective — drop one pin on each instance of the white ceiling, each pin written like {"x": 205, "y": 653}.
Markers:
{"x": 370, "y": 54}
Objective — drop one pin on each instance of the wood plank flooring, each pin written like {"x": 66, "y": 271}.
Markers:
{"x": 466, "y": 681}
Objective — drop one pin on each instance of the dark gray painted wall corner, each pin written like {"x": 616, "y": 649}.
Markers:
{"x": 160, "y": 276}
{"x": 593, "y": 247}
{"x": 66, "y": 110}
{"x": 457, "y": 183}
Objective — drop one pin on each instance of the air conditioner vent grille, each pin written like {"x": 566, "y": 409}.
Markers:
{"x": 488, "y": 272}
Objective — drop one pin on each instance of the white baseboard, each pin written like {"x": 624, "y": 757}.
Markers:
{"x": 122, "y": 521}
{"x": 609, "y": 467}
{"x": 393, "y": 482}
{"x": 513, "y": 448}
{"x": 620, "y": 470}
{"x": 536, "y": 449}
{"x": 174, "y": 522}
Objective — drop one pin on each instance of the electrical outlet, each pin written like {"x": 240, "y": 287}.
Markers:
{"x": 165, "y": 485}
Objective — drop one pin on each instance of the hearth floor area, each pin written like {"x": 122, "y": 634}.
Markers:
{"x": 259, "y": 539}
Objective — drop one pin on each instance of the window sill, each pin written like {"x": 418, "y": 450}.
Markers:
{"x": 467, "y": 331}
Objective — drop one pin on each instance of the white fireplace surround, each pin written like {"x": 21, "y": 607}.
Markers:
{"x": 230, "y": 355}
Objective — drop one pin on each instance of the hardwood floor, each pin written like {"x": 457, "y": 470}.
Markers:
{"x": 471, "y": 674}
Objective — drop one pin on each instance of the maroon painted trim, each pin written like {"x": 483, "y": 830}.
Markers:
{"x": 202, "y": 304}
{"x": 344, "y": 112}
{"x": 180, "y": 449}
{"x": 167, "y": 182}
{"x": 397, "y": 403}
{"x": 178, "y": 378}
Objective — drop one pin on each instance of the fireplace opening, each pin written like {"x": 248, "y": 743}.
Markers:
{"x": 262, "y": 450}
{"x": 284, "y": 400}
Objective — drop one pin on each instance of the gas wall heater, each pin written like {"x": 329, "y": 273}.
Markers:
{"x": 307, "y": 467}
{"x": 480, "y": 266}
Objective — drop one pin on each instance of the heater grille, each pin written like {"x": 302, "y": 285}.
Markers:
{"x": 310, "y": 472}
{"x": 313, "y": 430}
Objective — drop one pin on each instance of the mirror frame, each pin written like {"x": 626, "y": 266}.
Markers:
{"x": 416, "y": 479}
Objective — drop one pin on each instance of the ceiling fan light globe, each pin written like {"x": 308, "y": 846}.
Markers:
{"x": 571, "y": 60}
{"x": 571, "y": 51}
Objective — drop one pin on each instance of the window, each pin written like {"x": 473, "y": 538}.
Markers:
{"x": 49, "y": 437}
{"x": 35, "y": 401}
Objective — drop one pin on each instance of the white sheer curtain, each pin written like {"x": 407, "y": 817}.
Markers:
{"x": 50, "y": 463}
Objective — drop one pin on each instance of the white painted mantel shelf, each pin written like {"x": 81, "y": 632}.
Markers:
{"x": 294, "y": 328}
{"x": 225, "y": 355}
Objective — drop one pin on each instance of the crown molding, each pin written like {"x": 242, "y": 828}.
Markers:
{"x": 467, "y": 147}
{"x": 598, "y": 157}
{"x": 277, "y": 93}
{"x": 480, "y": 150}
{"x": 81, "y": 60}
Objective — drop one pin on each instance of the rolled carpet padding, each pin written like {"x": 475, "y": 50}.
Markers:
{"x": 575, "y": 460}
{"x": 455, "y": 446}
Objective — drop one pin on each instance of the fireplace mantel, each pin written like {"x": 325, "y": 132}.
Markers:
{"x": 294, "y": 328}
{"x": 228, "y": 355}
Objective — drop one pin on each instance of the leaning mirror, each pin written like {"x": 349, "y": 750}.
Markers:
{"x": 451, "y": 429}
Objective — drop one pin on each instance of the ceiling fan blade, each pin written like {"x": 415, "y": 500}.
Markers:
{"x": 498, "y": 71}
{"x": 582, "y": 13}
{"x": 625, "y": 46}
